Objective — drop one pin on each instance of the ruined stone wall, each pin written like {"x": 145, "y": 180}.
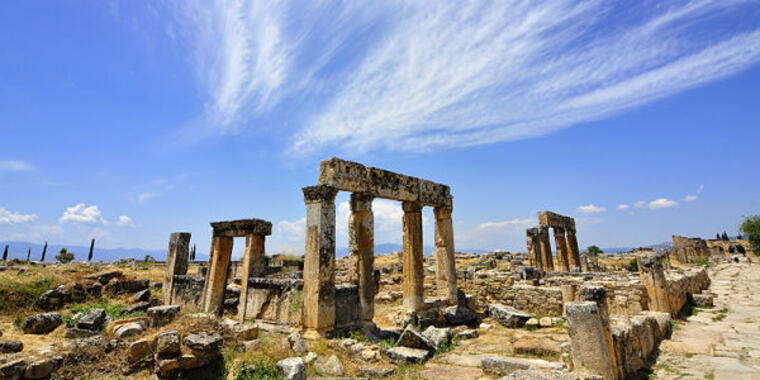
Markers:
{"x": 681, "y": 283}
{"x": 278, "y": 301}
{"x": 187, "y": 291}
{"x": 687, "y": 250}
{"x": 636, "y": 338}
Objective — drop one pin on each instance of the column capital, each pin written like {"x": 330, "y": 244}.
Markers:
{"x": 319, "y": 193}
{"x": 361, "y": 201}
{"x": 410, "y": 207}
{"x": 442, "y": 212}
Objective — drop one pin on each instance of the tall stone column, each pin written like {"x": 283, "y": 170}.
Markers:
{"x": 216, "y": 279}
{"x": 573, "y": 255}
{"x": 176, "y": 262}
{"x": 652, "y": 275}
{"x": 446, "y": 271}
{"x": 534, "y": 251}
{"x": 252, "y": 266}
{"x": 319, "y": 260}
{"x": 545, "y": 248}
{"x": 413, "y": 273}
{"x": 590, "y": 349}
{"x": 361, "y": 243}
{"x": 561, "y": 243}
{"x": 598, "y": 295}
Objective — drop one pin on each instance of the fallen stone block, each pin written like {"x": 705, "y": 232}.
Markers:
{"x": 10, "y": 346}
{"x": 406, "y": 355}
{"x": 128, "y": 286}
{"x": 411, "y": 338}
{"x": 141, "y": 306}
{"x": 167, "y": 344}
{"x": 161, "y": 315}
{"x": 508, "y": 316}
{"x": 329, "y": 367}
{"x": 42, "y": 368}
{"x": 204, "y": 342}
{"x": 142, "y": 296}
{"x": 13, "y": 369}
{"x": 459, "y": 315}
{"x": 292, "y": 369}
{"x": 104, "y": 277}
{"x": 93, "y": 320}
{"x": 129, "y": 329}
{"x": 42, "y": 323}
{"x": 702, "y": 300}
{"x": 437, "y": 336}
{"x": 74, "y": 332}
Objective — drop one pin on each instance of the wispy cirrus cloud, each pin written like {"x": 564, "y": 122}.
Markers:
{"x": 415, "y": 76}
{"x": 15, "y": 166}
{"x": 693, "y": 197}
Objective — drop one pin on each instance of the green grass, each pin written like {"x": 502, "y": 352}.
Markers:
{"x": 703, "y": 261}
{"x": 387, "y": 344}
{"x": 16, "y": 295}
{"x": 115, "y": 311}
{"x": 445, "y": 346}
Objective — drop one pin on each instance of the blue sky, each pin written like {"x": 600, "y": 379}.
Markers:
{"x": 126, "y": 121}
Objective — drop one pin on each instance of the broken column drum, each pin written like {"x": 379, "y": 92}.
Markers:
{"x": 366, "y": 184}
{"x": 254, "y": 231}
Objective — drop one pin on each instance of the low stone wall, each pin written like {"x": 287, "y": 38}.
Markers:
{"x": 187, "y": 291}
{"x": 346, "y": 306}
{"x": 278, "y": 301}
{"x": 636, "y": 338}
{"x": 681, "y": 283}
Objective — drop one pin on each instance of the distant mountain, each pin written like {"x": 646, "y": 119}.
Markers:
{"x": 665, "y": 245}
{"x": 19, "y": 249}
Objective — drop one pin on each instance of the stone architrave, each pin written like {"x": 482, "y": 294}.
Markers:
{"x": 216, "y": 278}
{"x": 446, "y": 275}
{"x": 319, "y": 260}
{"x": 652, "y": 275}
{"x": 252, "y": 266}
{"x": 561, "y": 243}
{"x": 361, "y": 242}
{"x": 573, "y": 255}
{"x": 413, "y": 271}
{"x": 176, "y": 263}
{"x": 590, "y": 350}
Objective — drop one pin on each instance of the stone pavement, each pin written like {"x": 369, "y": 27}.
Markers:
{"x": 722, "y": 342}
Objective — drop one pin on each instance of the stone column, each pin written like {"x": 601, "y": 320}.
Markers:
{"x": 590, "y": 349}
{"x": 545, "y": 248}
{"x": 251, "y": 266}
{"x": 573, "y": 255}
{"x": 652, "y": 275}
{"x": 319, "y": 260}
{"x": 413, "y": 273}
{"x": 361, "y": 243}
{"x": 216, "y": 278}
{"x": 446, "y": 271}
{"x": 598, "y": 295}
{"x": 561, "y": 243}
{"x": 176, "y": 263}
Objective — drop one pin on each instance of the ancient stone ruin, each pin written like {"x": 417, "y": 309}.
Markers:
{"x": 365, "y": 184}
{"x": 539, "y": 247}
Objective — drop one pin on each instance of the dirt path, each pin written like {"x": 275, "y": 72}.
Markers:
{"x": 722, "y": 342}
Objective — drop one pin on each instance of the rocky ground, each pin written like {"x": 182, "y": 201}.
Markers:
{"x": 722, "y": 342}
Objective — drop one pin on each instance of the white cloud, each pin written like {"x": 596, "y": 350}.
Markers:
{"x": 692, "y": 198}
{"x": 517, "y": 223}
{"x": 661, "y": 203}
{"x": 81, "y": 213}
{"x": 142, "y": 197}
{"x": 15, "y": 166}
{"x": 125, "y": 221}
{"x": 414, "y": 76}
{"x": 11, "y": 217}
{"x": 640, "y": 204}
{"x": 622, "y": 207}
{"x": 591, "y": 209}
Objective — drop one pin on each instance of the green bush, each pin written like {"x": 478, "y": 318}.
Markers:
{"x": 702, "y": 261}
{"x": 64, "y": 256}
{"x": 594, "y": 250}
{"x": 750, "y": 228}
{"x": 261, "y": 369}
{"x": 633, "y": 265}
{"x": 15, "y": 294}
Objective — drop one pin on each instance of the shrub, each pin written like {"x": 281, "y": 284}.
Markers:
{"x": 702, "y": 261}
{"x": 633, "y": 265}
{"x": 750, "y": 228}
{"x": 594, "y": 250}
{"x": 64, "y": 256}
{"x": 15, "y": 294}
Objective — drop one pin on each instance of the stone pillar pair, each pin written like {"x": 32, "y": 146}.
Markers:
{"x": 176, "y": 263}
{"x": 573, "y": 254}
{"x": 539, "y": 248}
{"x": 561, "y": 243}
{"x": 592, "y": 347}
{"x": 652, "y": 274}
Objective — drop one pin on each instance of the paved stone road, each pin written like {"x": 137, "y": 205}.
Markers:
{"x": 723, "y": 342}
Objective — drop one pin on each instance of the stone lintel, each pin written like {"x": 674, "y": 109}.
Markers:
{"x": 552, "y": 219}
{"x": 242, "y": 227}
{"x": 355, "y": 177}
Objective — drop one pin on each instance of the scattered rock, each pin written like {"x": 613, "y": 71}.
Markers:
{"x": 403, "y": 355}
{"x": 330, "y": 367}
{"x": 75, "y": 332}
{"x": 104, "y": 277}
{"x": 531, "y": 324}
{"x": 141, "y": 306}
{"x": 204, "y": 342}
{"x": 536, "y": 346}
{"x": 508, "y": 316}
{"x": 702, "y": 300}
{"x": 10, "y": 346}
{"x": 167, "y": 344}
{"x": 437, "y": 336}
{"x": 138, "y": 350}
{"x": 13, "y": 369}
{"x": 115, "y": 286}
{"x": 142, "y": 296}
{"x": 459, "y": 315}
{"x": 42, "y": 323}
{"x": 161, "y": 315}
{"x": 411, "y": 338}
{"x": 377, "y": 371}
{"x": 545, "y": 322}
{"x": 296, "y": 343}
{"x": 126, "y": 330}
{"x": 93, "y": 320}
{"x": 468, "y": 334}
{"x": 310, "y": 357}
{"x": 524, "y": 374}
{"x": 292, "y": 369}
{"x": 42, "y": 368}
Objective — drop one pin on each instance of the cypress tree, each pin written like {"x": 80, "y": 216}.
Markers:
{"x": 28, "y": 254}
{"x": 44, "y": 251}
{"x": 5, "y": 253}
{"x": 92, "y": 246}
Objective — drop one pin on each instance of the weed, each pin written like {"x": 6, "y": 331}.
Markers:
{"x": 387, "y": 344}
{"x": 703, "y": 261}
{"x": 723, "y": 310}
{"x": 689, "y": 354}
{"x": 709, "y": 376}
{"x": 260, "y": 369}
{"x": 357, "y": 336}
{"x": 15, "y": 294}
{"x": 444, "y": 347}
{"x": 296, "y": 303}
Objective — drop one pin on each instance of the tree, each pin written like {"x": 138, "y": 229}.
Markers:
{"x": 594, "y": 250}
{"x": 717, "y": 236}
{"x": 750, "y": 228}
{"x": 739, "y": 237}
{"x": 725, "y": 236}
{"x": 64, "y": 256}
